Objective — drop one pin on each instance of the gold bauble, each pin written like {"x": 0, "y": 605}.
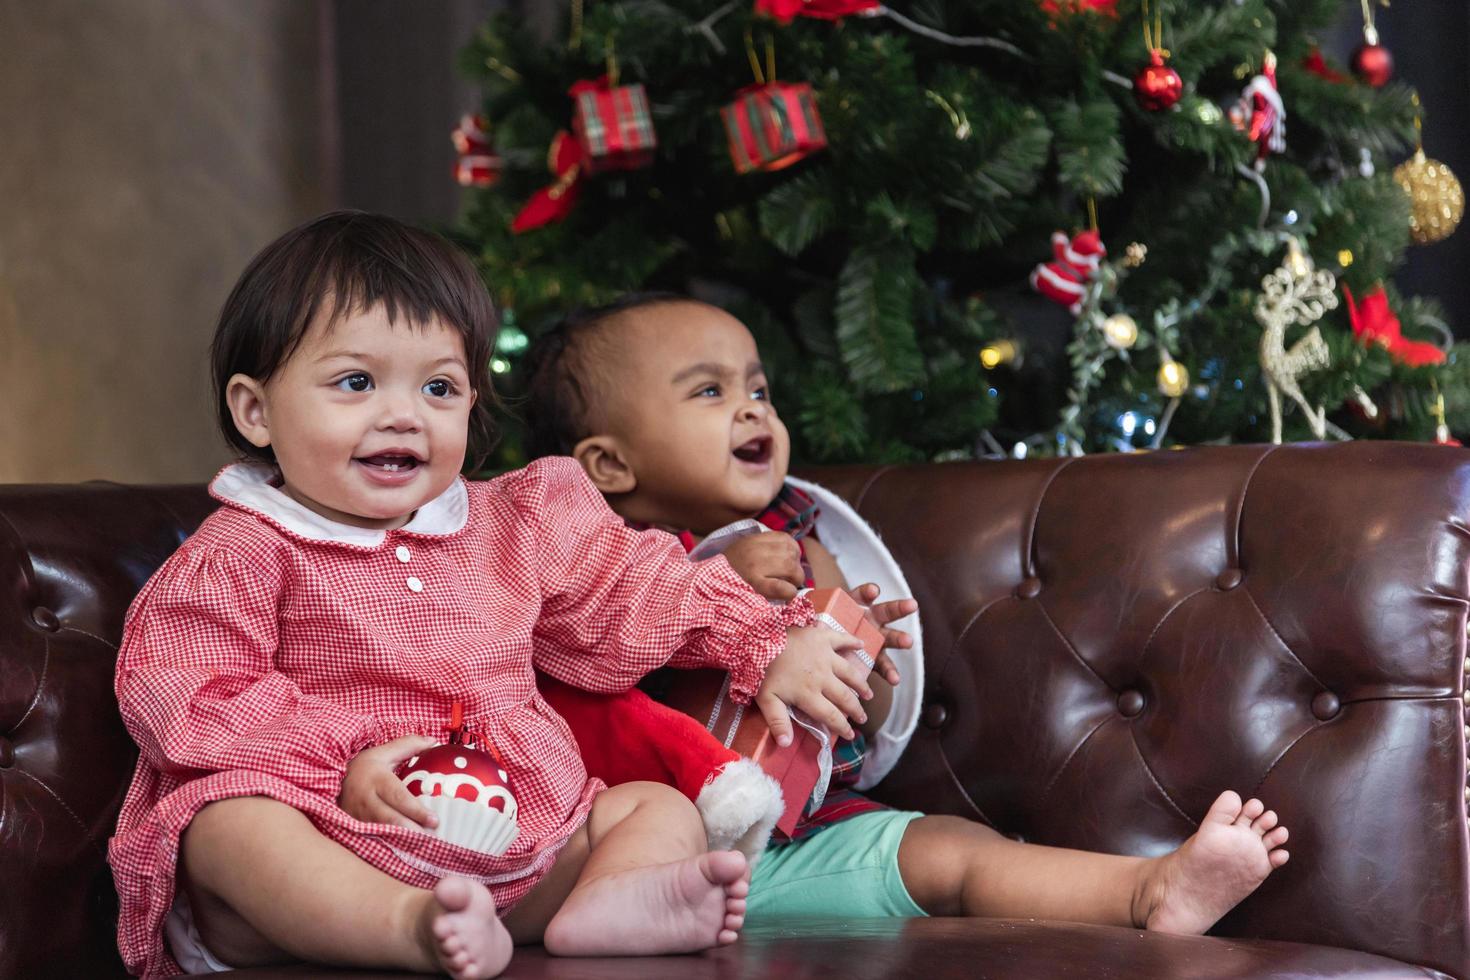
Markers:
{"x": 1173, "y": 379}
{"x": 1120, "y": 331}
{"x": 1437, "y": 200}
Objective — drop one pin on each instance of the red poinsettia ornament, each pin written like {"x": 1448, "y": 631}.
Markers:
{"x": 1056, "y": 9}
{"x": 1317, "y": 65}
{"x": 1375, "y": 323}
{"x": 785, "y": 11}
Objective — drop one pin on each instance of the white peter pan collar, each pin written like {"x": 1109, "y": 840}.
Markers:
{"x": 248, "y": 485}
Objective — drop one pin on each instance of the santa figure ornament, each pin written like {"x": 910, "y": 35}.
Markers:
{"x": 468, "y": 791}
{"x": 1073, "y": 266}
{"x": 1261, "y": 114}
{"x": 478, "y": 165}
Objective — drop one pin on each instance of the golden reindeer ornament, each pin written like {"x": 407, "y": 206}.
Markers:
{"x": 1295, "y": 294}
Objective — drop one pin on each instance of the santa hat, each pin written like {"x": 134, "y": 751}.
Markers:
{"x": 629, "y": 736}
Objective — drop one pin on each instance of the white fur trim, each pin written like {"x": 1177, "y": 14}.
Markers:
{"x": 862, "y": 557}
{"x": 740, "y": 807}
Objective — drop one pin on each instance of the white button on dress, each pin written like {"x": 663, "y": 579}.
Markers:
{"x": 402, "y": 554}
{"x": 415, "y": 584}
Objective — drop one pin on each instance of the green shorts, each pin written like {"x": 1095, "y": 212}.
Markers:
{"x": 849, "y": 870}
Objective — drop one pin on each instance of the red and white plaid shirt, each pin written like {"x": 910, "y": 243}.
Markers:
{"x": 274, "y": 645}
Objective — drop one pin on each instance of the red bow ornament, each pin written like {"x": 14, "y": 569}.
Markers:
{"x": 555, "y": 202}
{"x": 1374, "y": 323}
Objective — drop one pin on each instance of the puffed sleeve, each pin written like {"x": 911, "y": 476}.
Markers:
{"x": 618, "y": 603}
{"x": 198, "y": 689}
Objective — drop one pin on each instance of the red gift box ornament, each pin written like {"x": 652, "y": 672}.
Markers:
{"x": 613, "y": 125}
{"x": 478, "y": 164}
{"x": 803, "y": 768}
{"x": 773, "y": 125}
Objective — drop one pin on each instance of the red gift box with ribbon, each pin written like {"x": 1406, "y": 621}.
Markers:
{"x": 803, "y": 767}
{"x": 613, "y": 124}
{"x": 772, "y": 126}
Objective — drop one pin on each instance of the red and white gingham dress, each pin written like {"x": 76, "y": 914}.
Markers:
{"x": 273, "y": 646}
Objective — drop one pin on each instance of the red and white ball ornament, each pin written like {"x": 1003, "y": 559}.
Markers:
{"x": 469, "y": 791}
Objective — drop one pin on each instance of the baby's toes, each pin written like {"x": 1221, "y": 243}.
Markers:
{"x": 1264, "y": 822}
{"x": 1252, "y": 809}
{"x": 1275, "y": 838}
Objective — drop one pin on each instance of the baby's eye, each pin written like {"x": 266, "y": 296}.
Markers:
{"x": 356, "y": 382}
{"x": 439, "y": 388}
{"x": 709, "y": 391}
{"x": 761, "y": 394}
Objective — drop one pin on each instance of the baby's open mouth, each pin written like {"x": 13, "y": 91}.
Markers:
{"x": 389, "y": 462}
{"x": 757, "y": 450}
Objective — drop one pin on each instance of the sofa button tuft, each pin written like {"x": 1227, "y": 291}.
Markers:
{"x": 935, "y": 715}
{"x": 1030, "y": 588}
{"x": 45, "y": 619}
{"x": 1325, "y": 706}
{"x": 1130, "y": 703}
{"x": 1228, "y": 579}
{"x": 7, "y": 753}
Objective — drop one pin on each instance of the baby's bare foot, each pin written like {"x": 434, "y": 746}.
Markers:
{"x": 1236, "y": 847}
{"x": 681, "y": 907}
{"x": 462, "y": 932}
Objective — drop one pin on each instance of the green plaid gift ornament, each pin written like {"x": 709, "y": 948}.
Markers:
{"x": 613, "y": 125}
{"x": 773, "y": 125}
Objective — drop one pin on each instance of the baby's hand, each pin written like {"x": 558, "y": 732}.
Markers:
{"x": 372, "y": 792}
{"x": 812, "y": 674}
{"x": 883, "y": 613}
{"x": 770, "y": 562}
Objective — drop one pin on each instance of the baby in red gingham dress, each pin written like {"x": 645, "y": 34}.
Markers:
{"x": 665, "y": 403}
{"x": 350, "y": 594}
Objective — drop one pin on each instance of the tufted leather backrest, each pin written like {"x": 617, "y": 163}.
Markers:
{"x": 1113, "y": 640}
{"x": 71, "y": 560}
{"x": 1110, "y": 642}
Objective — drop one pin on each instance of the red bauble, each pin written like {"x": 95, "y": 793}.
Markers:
{"x": 1157, "y": 86}
{"x": 470, "y": 794}
{"x": 1373, "y": 64}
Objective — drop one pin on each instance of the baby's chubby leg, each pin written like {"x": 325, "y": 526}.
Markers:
{"x": 953, "y": 866}
{"x": 305, "y": 897}
{"x": 636, "y": 880}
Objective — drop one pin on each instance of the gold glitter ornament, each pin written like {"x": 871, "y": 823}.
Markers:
{"x": 1120, "y": 331}
{"x": 1438, "y": 201}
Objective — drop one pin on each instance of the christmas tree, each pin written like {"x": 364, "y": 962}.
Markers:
{"x": 975, "y": 226}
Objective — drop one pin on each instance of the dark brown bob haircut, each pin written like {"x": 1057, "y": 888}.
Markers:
{"x": 349, "y": 262}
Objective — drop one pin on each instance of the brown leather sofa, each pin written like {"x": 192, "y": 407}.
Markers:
{"x": 1110, "y": 641}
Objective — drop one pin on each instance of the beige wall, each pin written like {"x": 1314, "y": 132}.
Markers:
{"x": 147, "y": 149}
